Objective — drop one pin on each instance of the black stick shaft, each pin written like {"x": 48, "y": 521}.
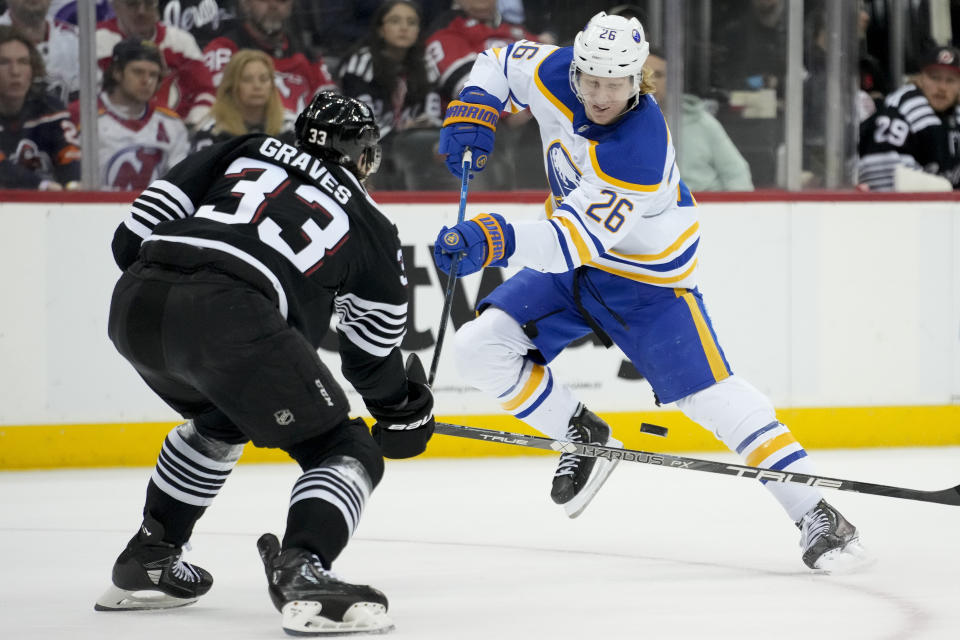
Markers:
{"x": 442, "y": 330}
{"x": 454, "y": 264}
{"x": 949, "y": 496}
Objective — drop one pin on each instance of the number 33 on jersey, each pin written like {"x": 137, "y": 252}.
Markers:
{"x": 289, "y": 222}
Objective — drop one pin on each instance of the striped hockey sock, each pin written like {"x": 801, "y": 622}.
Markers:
{"x": 325, "y": 507}
{"x": 540, "y": 401}
{"x": 186, "y": 474}
{"x": 773, "y": 446}
{"x": 189, "y": 473}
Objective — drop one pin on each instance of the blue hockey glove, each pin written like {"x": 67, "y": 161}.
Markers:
{"x": 471, "y": 122}
{"x": 484, "y": 241}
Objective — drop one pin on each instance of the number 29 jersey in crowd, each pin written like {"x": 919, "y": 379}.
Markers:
{"x": 617, "y": 201}
{"x": 300, "y": 229}
{"x": 907, "y": 131}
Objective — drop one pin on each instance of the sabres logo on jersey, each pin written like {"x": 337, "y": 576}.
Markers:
{"x": 563, "y": 174}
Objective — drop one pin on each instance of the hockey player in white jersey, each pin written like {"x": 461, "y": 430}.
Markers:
{"x": 617, "y": 255}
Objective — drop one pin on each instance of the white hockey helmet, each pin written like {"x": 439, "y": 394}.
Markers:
{"x": 611, "y": 47}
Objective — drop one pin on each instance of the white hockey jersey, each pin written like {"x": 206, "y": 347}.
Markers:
{"x": 61, "y": 56}
{"x": 617, "y": 201}
{"x": 136, "y": 151}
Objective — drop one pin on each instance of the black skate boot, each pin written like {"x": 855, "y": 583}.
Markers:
{"x": 829, "y": 542}
{"x": 578, "y": 478}
{"x": 312, "y": 600}
{"x": 150, "y": 574}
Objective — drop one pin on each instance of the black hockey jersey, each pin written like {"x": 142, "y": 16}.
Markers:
{"x": 302, "y": 230}
{"x": 907, "y": 131}
{"x": 39, "y": 143}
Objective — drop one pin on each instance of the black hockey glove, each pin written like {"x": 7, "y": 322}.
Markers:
{"x": 403, "y": 430}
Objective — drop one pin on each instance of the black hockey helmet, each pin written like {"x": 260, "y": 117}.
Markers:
{"x": 341, "y": 129}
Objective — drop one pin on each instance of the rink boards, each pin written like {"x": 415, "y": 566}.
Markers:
{"x": 846, "y": 313}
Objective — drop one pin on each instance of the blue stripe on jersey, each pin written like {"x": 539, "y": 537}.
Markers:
{"x": 596, "y": 241}
{"x": 543, "y": 396}
{"x": 512, "y": 96}
{"x": 506, "y": 56}
{"x": 563, "y": 245}
{"x": 672, "y": 169}
{"x": 676, "y": 263}
{"x": 756, "y": 434}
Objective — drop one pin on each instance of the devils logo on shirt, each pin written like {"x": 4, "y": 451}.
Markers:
{"x": 133, "y": 168}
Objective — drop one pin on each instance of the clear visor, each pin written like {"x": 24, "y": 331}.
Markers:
{"x": 600, "y": 90}
{"x": 372, "y": 157}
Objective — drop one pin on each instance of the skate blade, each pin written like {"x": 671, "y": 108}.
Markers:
{"x": 601, "y": 471}
{"x": 117, "y": 599}
{"x": 850, "y": 559}
{"x": 302, "y": 618}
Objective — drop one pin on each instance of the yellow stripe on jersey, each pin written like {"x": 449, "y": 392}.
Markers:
{"x": 663, "y": 254}
{"x": 769, "y": 447}
{"x": 546, "y": 92}
{"x": 710, "y": 349}
{"x": 536, "y": 375}
{"x": 614, "y": 181}
{"x": 639, "y": 277}
{"x": 549, "y": 205}
{"x": 578, "y": 241}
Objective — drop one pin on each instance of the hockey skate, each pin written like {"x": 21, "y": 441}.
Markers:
{"x": 830, "y": 543}
{"x": 313, "y": 601}
{"x": 150, "y": 574}
{"x": 578, "y": 478}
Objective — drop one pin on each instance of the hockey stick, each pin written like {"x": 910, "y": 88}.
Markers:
{"x": 452, "y": 278}
{"x": 949, "y": 496}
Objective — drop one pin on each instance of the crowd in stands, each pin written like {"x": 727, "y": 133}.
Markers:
{"x": 178, "y": 75}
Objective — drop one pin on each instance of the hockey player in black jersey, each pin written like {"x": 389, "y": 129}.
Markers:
{"x": 233, "y": 265}
{"x": 917, "y": 130}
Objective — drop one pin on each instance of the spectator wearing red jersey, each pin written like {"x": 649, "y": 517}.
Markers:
{"x": 138, "y": 142}
{"x": 186, "y": 86}
{"x": 472, "y": 29}
{"x": 264, "y": 25}
{"x": 39, "y": 148}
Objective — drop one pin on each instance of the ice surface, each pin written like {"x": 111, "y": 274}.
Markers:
{"x": 476, "y": 549}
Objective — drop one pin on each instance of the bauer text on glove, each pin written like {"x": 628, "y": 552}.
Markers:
{"x": 403, "y": 430}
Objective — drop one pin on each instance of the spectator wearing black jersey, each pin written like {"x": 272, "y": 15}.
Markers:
{"x": 203, "y": 19}
{"x": 247, "y": 102}
{"x": 388, "y": 71}
{"x": 913, "y": 141}
{"x": 39, "y": 146}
